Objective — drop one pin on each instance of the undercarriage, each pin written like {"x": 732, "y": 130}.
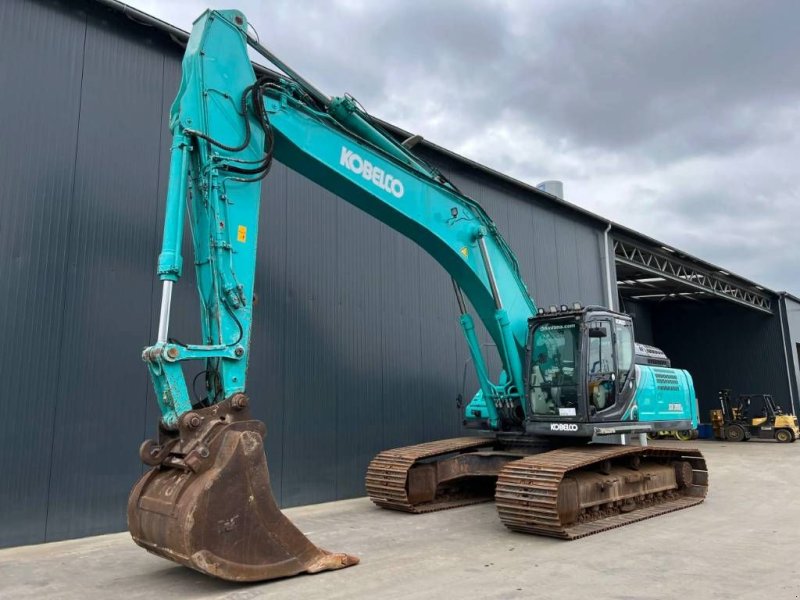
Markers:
{"x": 538, "y": 487}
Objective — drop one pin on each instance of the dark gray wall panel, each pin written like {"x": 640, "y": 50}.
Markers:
{"x": 41, "y": 59}
{"x": 590, "y": 267}
{"x": 521, "y": 222}
{"x": 791, "y": 315}
{"x": 269, "y": 362}
{"x": 99, "y": 412}
{"x": 439, "y": 376}
{"x": 568, "y": 261}
{"x": 402, "y": 402}
{"x": 356, "y": 345}
{"x": 313, "y": 367}
{"x": 642, "y": 320}
{"x": 723, "y": 346}
{"x": 546, "y": 290}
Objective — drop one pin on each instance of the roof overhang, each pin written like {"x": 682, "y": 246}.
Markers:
{"x": 650, "y": 274}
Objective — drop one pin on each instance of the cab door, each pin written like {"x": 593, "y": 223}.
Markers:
{"x": 610, "y": 369}
{"x": 601, "y": 370}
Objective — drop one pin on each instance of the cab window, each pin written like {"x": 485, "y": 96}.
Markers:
{"x": 553, "y": 377}
{"x": 601, "y": 367}
{"x": 601, "y": 354}
{"x": 624, "y": 348}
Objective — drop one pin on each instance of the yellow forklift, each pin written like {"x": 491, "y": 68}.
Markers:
{"x": 739, "y": 423}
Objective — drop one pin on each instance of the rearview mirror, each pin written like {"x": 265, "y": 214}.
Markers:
{"x": 597, "y": 332}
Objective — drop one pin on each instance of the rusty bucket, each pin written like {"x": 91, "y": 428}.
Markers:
{"x": 207, "y": 502}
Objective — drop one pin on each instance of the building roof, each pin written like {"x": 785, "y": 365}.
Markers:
{"x": 663, "y": 253}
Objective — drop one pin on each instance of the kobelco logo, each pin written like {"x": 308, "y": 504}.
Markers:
{"x": 360, "y": 166}
{"x": 563, "y": 427}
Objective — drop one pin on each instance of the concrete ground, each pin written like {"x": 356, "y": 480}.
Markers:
{"x": 743, "y": 542}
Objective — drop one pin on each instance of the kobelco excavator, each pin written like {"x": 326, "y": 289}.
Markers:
{"x": 570, "y": 373}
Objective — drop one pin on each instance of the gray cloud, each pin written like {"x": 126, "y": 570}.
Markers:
{"x": 679, "y": 119}
{"x": 622, "y": 75}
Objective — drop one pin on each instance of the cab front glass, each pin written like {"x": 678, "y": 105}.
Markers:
{"x": 553, "y": 376}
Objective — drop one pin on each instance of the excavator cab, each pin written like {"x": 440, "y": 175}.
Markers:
{"x": 581, "y": 360}
{"x": 587, "y": 376}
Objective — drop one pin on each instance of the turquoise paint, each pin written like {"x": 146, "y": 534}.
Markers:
{"x": 346, "y": 111}
{"x": 312, "y": 144}
{"x": 670, "y": 399}
{"x": 223, "y": 212}
{"x": 485, "y": 410}
{"x": 481, "y": 410}
{"x": 170, "y": 261}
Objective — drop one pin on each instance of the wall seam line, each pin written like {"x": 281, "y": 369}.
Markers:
{"x": 70, "y": 242}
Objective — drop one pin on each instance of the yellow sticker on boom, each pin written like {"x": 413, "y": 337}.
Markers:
{"x": 241, "y": 234}
{"x": 464, "y": 251}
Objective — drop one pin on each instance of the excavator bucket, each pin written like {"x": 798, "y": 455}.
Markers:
{"x": 207, "y": 502}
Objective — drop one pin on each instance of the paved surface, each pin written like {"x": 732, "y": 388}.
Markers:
{"x": 743, "y": 542}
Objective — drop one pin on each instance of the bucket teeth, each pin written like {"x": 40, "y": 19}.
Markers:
{"x": 214, "y": 510}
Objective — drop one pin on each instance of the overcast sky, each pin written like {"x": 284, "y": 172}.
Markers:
{"x": 680, "y": 119}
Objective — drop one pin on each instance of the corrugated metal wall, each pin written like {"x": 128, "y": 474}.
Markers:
{"x": 723, "y": 345}
{"x": 642, "y": 320}
{"x": 791, "y": 315}
{"x": 356, "y": 344}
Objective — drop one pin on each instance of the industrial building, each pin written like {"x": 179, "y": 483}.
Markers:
{"x": 84, "y": 161}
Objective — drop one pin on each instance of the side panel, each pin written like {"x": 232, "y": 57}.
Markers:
{"x": 664, "y": 395}
{"x": 359, "y": 312}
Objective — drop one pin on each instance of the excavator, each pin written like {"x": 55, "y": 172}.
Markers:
{"x": 570, "y": 374}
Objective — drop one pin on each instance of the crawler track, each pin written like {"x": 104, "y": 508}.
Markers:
{"x": 387, "y": 475}
{"x": 527, "y": 492}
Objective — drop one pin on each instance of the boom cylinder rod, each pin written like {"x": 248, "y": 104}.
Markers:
{"x": 489, "y": 272}
{"x": 163, "y": 317}
{"x": 462, "y": 306}
{"x": 307, "y": 87}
